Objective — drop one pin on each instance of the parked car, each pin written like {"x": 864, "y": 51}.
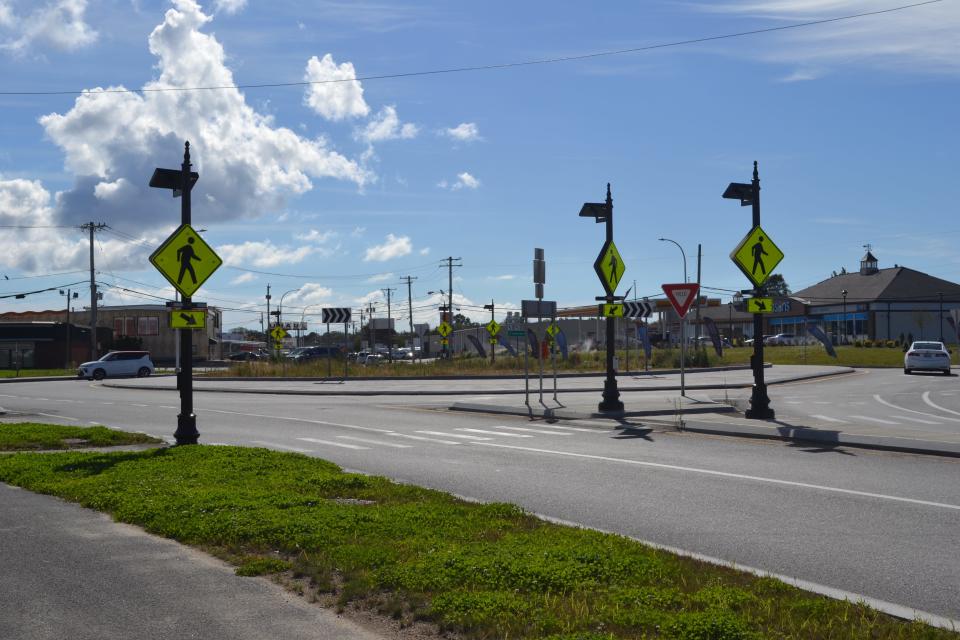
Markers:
{"x": 373, "y": 359}
{"x": 780, "y": 339}
{"x": 928, "y": 356}
{"x": 749, "y": 342}
{"x": 307, "y": 354}
{"x": 117, "y": 364}
{"x": 244, "y": 356}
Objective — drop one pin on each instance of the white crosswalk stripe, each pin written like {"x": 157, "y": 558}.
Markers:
{"x": 494, "y": 433}
{"x": 335, "y": 444}
{"x": 377, "y": 442}
{"x": 453, "y": 435}
{"x": 423, "y": 438}
{"x": 909, "y": 419}
{"x": 827, "y": 418}
{"x": 526, "y": 430}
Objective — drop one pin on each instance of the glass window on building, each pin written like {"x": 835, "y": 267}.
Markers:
{"x": 118, "y": 326}
{"x": 130, "y": 326}
{"x": 148, "y": 326}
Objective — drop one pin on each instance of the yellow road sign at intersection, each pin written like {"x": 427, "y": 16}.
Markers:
{"x": 611, "y": 310}
{"x": 278, "y": 333}
{"x": 185, "y": 260}
{"x": 188, "y": 319}
{"x": 493, "y": 328}
{"x": 609, "y": 267}
{"x": 757, "y": 256}
{"x": 444, "y": 329}
{"x": 759, "y": 305}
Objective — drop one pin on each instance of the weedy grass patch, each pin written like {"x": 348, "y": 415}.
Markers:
{"x": 25, "y": 436}
{"x": 481, "y": 570}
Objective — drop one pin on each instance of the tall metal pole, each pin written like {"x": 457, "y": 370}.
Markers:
{"x": 389, "y": 346}
{"x": 186, "y": 432}
{"x": 611, "y": 394}
{"x": 759, "y": 400}
{"x": 410, "y": 280}
{"x": 93, "y": 227}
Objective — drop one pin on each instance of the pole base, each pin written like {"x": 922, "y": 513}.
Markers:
{"x": 186, "y": 432}
{"x": 611, "y": 397}
{"x": 759, "y": 404}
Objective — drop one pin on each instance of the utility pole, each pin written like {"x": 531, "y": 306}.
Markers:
{"x": 373, "y": 335}
{"x": 409, "y": 280}
{"x": 450, "y": 267}
{"x": 93, "y": 228}
{"x": 389, "y": 346}
{"x": 268, "y": 308}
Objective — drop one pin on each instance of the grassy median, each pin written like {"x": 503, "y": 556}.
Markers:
{"x": 26, "y": 436}
{"x": 479, "y": 570}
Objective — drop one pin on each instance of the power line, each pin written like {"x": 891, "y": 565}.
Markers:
{"x": 486, "y": 67}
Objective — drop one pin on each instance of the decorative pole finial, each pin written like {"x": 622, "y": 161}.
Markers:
{"x": 609, "y": 198}
{"x": 756, "y": 174}
{"x": 186, "y": 152}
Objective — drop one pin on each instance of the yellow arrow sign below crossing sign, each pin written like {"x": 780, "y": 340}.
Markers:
{"x": 759, "y": 305}
{"x": 609, "y": 267}
{"x": 185, "y": 260}
{"x": 188, "y": 319}
{"x": 757, "y": 256}
{"x": 611, "y": 310}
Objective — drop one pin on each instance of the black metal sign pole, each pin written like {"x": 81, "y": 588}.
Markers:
{"x": 345, "y": 349}
{"x": 186, "y": 432}
{"x": 329, "y": 354}
{"x": 759, "y": 400}
{"x": 611, "y": 395}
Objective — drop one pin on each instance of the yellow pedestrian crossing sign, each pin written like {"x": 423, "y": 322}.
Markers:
{"x": 609, "y": 267}
{"x": 278, "y": 333}
{"x": 185, "y": 260}
{"x": 759, "y": 305}
{"x": 553, "y": 329}
{"x": 444, "y": 329}
{"x": 757, "y": 256}
{"x": 493, "y": 328}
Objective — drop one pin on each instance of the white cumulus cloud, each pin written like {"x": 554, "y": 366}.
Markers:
{"x": 243, "y": 278}
{"x": 464, "y": 132}
{"x": 464, "y": 181}
{"x": 57, "y": 24}
{"x": 261, "y": 254}
{"x": 386, "y": 125}
{"x": 246, "y": 164}
{"x": 335, "y": 94}
{"x": 393, "y": 247}
{"x": 230, "y": 6}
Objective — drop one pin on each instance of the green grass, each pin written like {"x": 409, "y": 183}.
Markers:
{"x": 35, "y": 373}
{"x": 25, "y": 436}
{"x": 582, "y": 362}
{"x": 482, "y": 570}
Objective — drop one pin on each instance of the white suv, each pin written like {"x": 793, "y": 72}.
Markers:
{"x": 117, "y": 363}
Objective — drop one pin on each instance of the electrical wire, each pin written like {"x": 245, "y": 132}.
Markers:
{"x": 485, "y": 67}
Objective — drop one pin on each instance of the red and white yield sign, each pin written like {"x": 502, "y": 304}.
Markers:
{"x": 681, "y": 296}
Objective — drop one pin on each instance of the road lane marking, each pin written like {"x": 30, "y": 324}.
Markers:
{"x": 53, "y": 415}
{"x": 307, "y": 420}
{"x": 377, "y": 442}
{"x": 580, "y": 429}
{"x": 827, "y": 418}
{"x": 494, "y": 433}
{"x": 726, "y": 474}
{"x": 922, "y": 413}
{"x": 926, "y": 398}
{"x": 869, "y": 419}
{"x": 524, "y": 429}
{"x": 453, "y": 435}
{"x": 912, "y": 419}
{"x": 274, "y": 445}
{"x": 335, "y": 444}
{"x": 425, "y": 439}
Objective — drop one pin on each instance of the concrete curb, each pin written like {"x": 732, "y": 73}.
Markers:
{"x": 561, "y": 413}
{"x": 453, "y": 392}
{"x": 829, "y": 438}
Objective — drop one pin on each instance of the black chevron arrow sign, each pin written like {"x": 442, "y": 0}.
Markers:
{"x": 336, "y": 314}
{"x": 637, "y": 309}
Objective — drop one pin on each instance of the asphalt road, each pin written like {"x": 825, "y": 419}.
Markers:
{"x": 883, "y": 525}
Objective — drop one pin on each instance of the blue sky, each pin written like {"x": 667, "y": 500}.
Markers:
{"x": 340, "y": 190}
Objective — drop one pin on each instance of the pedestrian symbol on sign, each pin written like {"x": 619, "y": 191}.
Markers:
{"x": 758, "y": 254}
{"x": 184, "y": 255}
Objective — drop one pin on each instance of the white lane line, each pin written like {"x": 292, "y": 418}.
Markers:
{"x": 827, "y": 418}
{"x": 792, "y": 402}
{"x": 166, "y": 406}
{"x": 948, "y": 393}
{"x": 493, "y": 433}
{"x": 869, "y": 419}
{"x": 7, "y": 395}
{"x": 53, "y": 415}
{"x": 335, "y": 444}
{"x": 377, "y": 442}
{"x": 926, "y": 398}
{"x": 424, "y": 439}
{"x": 580, "y": 429}
{"x": 140, "y": 405}
{"x": 912, "y": 419}
{"x": 524, "y": 429}
{"x": 307, "y": 420}
{"x": 922, "y": 413}
{"x": 274, "y": 445}
{"x": 108, "y": 403}
{"x": 725, "y": 474}
{"x": 453, "y": 435}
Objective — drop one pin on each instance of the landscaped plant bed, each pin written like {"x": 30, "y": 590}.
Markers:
{"x": 481, "y": 570}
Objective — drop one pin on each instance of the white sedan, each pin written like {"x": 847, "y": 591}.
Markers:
{"x": 929, "y": 356}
